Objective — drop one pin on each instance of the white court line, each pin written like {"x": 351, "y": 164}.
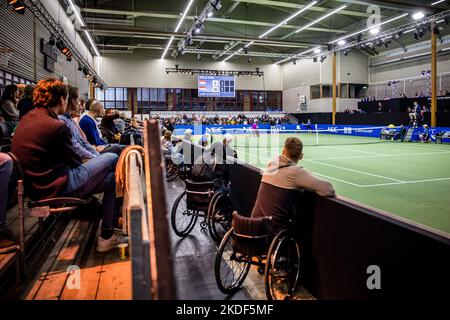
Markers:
{"x": 429, "y": 148}
{"x": 346, "y": 149}
{"x": 404, "y": 182}
{"x": 380, "y": 156}
{"x": 315, "y": 173}
{"x": 343, "y": 181}
{"x": 357, "y": 171}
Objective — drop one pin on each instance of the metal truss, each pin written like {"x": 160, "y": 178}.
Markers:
{"x": 239, "y": 53}
{"x": 255, "y": 73}
{"x": 370, "y": 41}
{"x": 41, "y": 13}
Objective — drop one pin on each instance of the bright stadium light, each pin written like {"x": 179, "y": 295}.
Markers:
{"x": 321, "y": 18}
{"x": 370, "y": 28}
{"x": 178, "y": 27}
{"x": 437, "y": 2}
{"x": 374, "y": 31}
{"x": 418, "y": 15}
{"x": 88, "y": 36}
{"x": 235, "y": 53}
{"x": 288, "y": 19}
{"x": 341, "y": 42}
{"x": 300, "y": 54}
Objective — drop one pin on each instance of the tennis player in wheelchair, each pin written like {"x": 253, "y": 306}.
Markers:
{"x": 267, "y": 239}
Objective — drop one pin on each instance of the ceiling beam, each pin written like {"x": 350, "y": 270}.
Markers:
{"x": 162, "y": 15}
{"x": 299, "y": 6}
{"x": 138, "y": 32}
{"x": 394, "y": 5}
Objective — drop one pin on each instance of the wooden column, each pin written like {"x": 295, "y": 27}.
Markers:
{"x": 433, "y": 76}
{"x": 333, "y": 55}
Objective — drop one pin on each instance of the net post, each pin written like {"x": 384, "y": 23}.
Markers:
{"x": 317, "y": 134}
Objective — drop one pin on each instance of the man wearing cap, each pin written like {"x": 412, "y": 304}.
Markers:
{"x": 424, "y": 136}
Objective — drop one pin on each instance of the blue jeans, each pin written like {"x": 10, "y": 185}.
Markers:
{"x": 95, "y": 176}
{"x": 6, "y": 168}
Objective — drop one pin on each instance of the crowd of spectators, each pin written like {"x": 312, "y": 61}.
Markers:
{"x": 64, "y": 151}
{"x": 240, "y": 119}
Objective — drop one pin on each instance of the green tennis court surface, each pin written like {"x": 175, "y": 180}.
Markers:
{"x": 411, "y": 180}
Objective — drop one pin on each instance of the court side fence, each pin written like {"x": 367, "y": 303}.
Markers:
{"x": 146, "y": 207}
{"x": 350, "y": 251}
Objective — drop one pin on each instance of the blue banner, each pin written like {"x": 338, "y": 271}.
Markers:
{"x": 348, "y": 130}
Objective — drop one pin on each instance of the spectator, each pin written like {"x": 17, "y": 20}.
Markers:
{"x": 25, "y": 105}
{"x": 8, "y": 105}
{"x": 281, "y": 178}
{"x": 120, "y": 122}
{"x": 80, "y": 144}
{"x": 108, "y": 127}
{"x": 88, "y": 123}
{"x": 6, "y": 168}
{"x": 51, "y": 165}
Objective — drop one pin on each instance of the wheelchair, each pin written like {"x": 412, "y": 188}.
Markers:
{"x": 172, "y": 169}
{"x": 250, "y": 242}
{"x": 201, "y": 200}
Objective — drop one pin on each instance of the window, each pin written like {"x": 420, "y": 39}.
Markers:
{"x": 151, "y": 99}
{"x": 315, "y": 91}
{"x": 113, "y": 98}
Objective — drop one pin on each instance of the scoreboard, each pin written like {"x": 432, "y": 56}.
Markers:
{"x": 216, "y": 86}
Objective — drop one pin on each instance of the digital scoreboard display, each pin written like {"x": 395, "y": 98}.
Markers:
{"x": 216, "y": 86}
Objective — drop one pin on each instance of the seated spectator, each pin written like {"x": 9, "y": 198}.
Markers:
{"x": 169, "y": 149}
{"x": 25, "y": 105}
{"x": 280, "y": 180}
{"x": 6, "y": 168}
{"x": 53, "y": 168}
{"x": 447, "y": 93}
{"x": 80, "y": 144}
{"x": 424, "y": 135}
{"x": 108, "y": 128}
{"x": 88, "y": 123}
{"x": 8, "y": 106}
{"x": 120, "y": 122}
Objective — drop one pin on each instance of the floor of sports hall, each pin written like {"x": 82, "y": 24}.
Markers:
{"x": 410, "y": 180}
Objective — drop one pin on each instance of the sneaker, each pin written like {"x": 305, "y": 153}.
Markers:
{"x": 7, "y": 246}
{"x": 105, "y": 245}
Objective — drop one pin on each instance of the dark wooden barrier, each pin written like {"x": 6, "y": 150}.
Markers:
{"x": 341, "y": 240}
{"x": 162, "y": 272}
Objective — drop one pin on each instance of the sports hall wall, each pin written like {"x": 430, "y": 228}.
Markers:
{"x": 298, "y": 79}
{"x": 22, "y": 33}
{"x": 141, "y": 70}
{"x": 406, "y": 68}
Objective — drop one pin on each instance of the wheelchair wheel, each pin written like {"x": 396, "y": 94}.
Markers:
{"x": 219, "y": 216}
{"x": 230, "y": 268}
{"x": 283, "y": 267}
{"x": 172, "y": 170}
{"x": 182, "y": 219}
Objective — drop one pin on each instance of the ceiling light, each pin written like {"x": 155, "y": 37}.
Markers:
{"x": 300, "y": 54}
{"x": 321, "y": 18}
{"x": 418, "y": 15}
{"x": 88, "y": 36}
{"x": 289, "y": 18}
{"x": 229, "y": 57}
{"x": 342, "y": 42}
{"x": 210, "y": 14}
{"x": 370, "y": 28}
{"x": 176, "y": 29}
{"x": 317, "y": 50}
{"x": 437, "y": 2}
{"x": 374, "y": 31}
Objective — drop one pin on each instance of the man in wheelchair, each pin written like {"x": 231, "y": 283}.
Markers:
{"x": 283, "y": 176}
{"x": 266, "y": 240}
